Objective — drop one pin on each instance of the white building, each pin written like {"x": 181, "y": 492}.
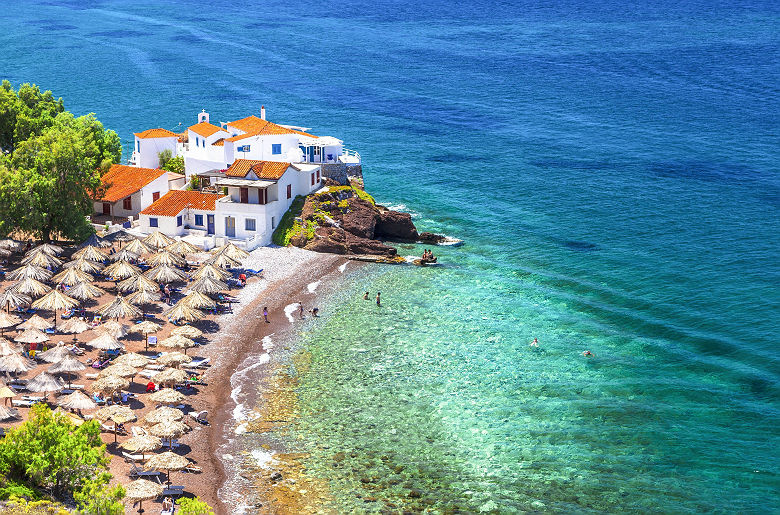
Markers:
{"x": 129, "y": 189}
{"x": 149, "y": 144}
{"x": 178, "y": 211}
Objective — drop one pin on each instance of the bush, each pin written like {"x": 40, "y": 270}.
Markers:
{"x": 15, "y": 489}
{"x": 164, "y": 156}
{"x": 288, "y": 227}
{"x": 17, "y": 506}
{"x": 174, "y": 164}
{"x": 194, "y": 507}
{"x": 96, "y": 498}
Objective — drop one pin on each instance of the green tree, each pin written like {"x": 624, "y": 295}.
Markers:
{"x": 25, "y": 113}
{"x": 50, "y": 452}
{"x": 194, "y": 507}
{"x": 175, "y": 165}
{"x": 164, "y": 157}
{"x": 96, "y": 498}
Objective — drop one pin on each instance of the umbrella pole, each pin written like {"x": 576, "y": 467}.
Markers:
{"x": 140, "y": 506}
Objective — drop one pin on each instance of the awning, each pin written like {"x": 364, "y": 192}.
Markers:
{"x": 244, "y": 183}
{"x": 324, "y": 141}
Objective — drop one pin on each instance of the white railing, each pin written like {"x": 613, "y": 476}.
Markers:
{"x": 349, "y": 156}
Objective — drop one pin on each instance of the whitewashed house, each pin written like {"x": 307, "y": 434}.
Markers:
{"x": 129, "y": 189}
{"x": 177, "y": 211}
{"x": 149, "y": 144}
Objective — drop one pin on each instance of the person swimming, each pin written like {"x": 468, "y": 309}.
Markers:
{"x": 534, "y": 343}
{"x": 587, "y": 354}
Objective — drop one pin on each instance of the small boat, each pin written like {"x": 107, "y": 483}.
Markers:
{"x": 449, "y": 241}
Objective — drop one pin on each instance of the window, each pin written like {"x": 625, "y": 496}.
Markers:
{"x": 276, "y": 148}
{"x": 289, "y": 191}
{"x": 318, "y": 176}
{"x": 178, "y": 221}
{"x": 198, "y": 219}
{"x": 249, "y": 224}
{"x": 155, "y": 196}
{"x": 312, "y": 179}
{"x": 153, "y": 222}
{"x": 138, "y": 145}
{"x": 273, "y": 222}
{"x": 197, "y": 141}
{"x": 127, "y": 204}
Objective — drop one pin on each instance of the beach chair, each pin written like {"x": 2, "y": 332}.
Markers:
{"x": 132, "y": 458}
{"x": 75, "y": 349}
{"x": 200, "y": 416}
{"x": 91, "y": 375}
{"x": 138, "y": 472}
{"x": 138, "y": 431}
{"x": 97, "y": 320}
{"x": 22, "y": 403}
{"x": 67, "y": 315}
{"x": 173, "y": 490}
{"x": 193, "y": 469}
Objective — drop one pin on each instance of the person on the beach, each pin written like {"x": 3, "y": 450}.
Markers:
{"x": 315, "y": 312}
{"x": 365, "y": 297}
{"x": 300, "y": 310}
{"x": 587, "y": 354}
{"x": 242, "y": 278}
{"x": 265, "y": 314}
{"x": 167, "y": 504}
{"x": 535, "y": 343}
{"x": 378, "y": 300}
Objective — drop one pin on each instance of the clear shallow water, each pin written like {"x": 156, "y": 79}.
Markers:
{"x": 614, "y": 171}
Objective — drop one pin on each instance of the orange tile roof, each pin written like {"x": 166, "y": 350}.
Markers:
{"x": 122, "y": 181}
{"x": 205, "y": 129}
{"x": 173, "y": 202}
{"x": 254, "y": 126}
{"x": 156, "y": 133}
{"x": 263, "y": 169}
{"x": 219, "y": 143}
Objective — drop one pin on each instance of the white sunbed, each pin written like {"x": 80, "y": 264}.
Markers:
{"x": 133, "y": 457}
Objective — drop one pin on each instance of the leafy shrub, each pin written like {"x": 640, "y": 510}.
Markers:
{"x": 194, "y": 507}
{"x": 288, "y": 227}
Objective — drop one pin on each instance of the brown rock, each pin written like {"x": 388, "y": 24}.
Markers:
{"x": 396, "y": 225}
{"x": 429, "y": 237}
{"x": 358, "y": 245}
{"x": 361, "y": 219}
{"x": 328, "y": 240}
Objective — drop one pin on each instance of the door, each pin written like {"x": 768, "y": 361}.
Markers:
{"x": 210, "y": 224}
{"x": 244, "y": 192}
{"x": 230, "y": 227}
{"x": 106, "y": 209}
{"x": 155, "y": 196}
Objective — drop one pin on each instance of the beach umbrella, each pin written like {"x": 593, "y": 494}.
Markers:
{"x": 72, "y": 276}
{"x": 165, "y": 258}
{"x": 119, "y": 308}
{"x": 121, "y": 270}
{"x": 211, "y": 271}
{"x": 74, "y": 326}
{"x": 85, "y": 291}
{"x": 32, "y": 336}
{"x": 166, "y": 274}
{"x": 199, "y": 300}
{"x": 109, "y": 385}
{"x": 6, "y": 393}
{"x": 119, "y": 236}
{"x": 208, "y": 285}
{"x": 116, "y": 412}
{"x": 9, "y": 244}
{"x": 56, "y": 354}
{"x": 132, "y": 359}
{"x": 54, "y": 301}
{"x": 142, "y": 443}
{"x": 13, "y": 299}
{"x": 16, "y": 364}
{"x": 231, "y": 251}
{"x": 182, "y": 248}
{"x": 8, "y": 413}
{"x": 138, "y": 247}
{"x": 90, "y": 254}
{"x": 223, "y": 261}
{"x": 7, "y": 320}
{"x": 106, "y": 341}
{"x": 163, "y": 414}
{"x": 167, "y": 461}
{"x": 114, "y": 328}
{"x": 44, "y": 382}
{"x": 183, "y": 312}
{"x": 119, "y": 370}
{"x": 95, "y": 241}
{"x": 167, "y": 396}
{"x": 173, "y": 359}
{"x": 188, "y": 331}
{"x": 85, "y": 265}
{"x": 169, "y": 429}
{"x": 178, "y": 341}
{"x": 7, "y": 348}
{"x": 143, "y": 298}
{"x": 146, "y": 328}
{"x": 124, "y": 255}
{"x": 41, "y": 259}
{"x": 31, "y": 287}
{"x": 158, "y": 240}
{"x": 25, "y": 271}
{"x": 142, "y": 490}
{"x": 36, "y": 322}
{"x": 137, "y": 283}
{"x": 76, "y": 401}
{"x": 170, "y": 376}
{"x": 68, "y": 365}
{"x": 47, "y": 248}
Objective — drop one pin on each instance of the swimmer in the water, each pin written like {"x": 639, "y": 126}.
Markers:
{"x": 534, "y": 343}
{"x": 587, "y": 354}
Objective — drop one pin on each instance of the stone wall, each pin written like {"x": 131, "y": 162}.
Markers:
{"x": 335, "y": 172}
{"x": 355, "y": 171}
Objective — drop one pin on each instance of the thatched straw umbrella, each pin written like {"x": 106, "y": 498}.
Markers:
{"x": 44, "y": 382}
{"x": 95, "y": 241}
{"x": 138, "y": 247}
{"x": 32, "y": 336}
{"x": 41, "y": 259}
{"x": 223, "y": 261}
{"x": 137, "y": 283}
{"x": 119, "y": 236}
{"x": 119, "y": 370}
{"x": 31, "y": 287}
{"x": 188, "y": 331}
{"x": 74, "y": 326}
{"x": 124, "y": 255}
{"x": 165, "y": 258}
{"x": 55, "y": 354}
{"x": 47, "y": 248}
{"x": 8, "y": 413}
{"x": 214, "y": 272}
{"x": 121, "y": 270}
{"x": 85, "y": 265}
{"x": 143, "y": 298}
{"x": 71, "y": 276}
{"x": 169, "y": 429}
{"x": 142, "y": 443}
{"x": 170, "y": 376}
{"x": 110, "y": 385}
{"x": 36, "y": 272}
{"x": 68, "y": 365}
{"x": 167, "y": 461}
{"x": 7, "y": 348}
{"x": 6, "y": 394}
{"x": 16, "y": 364}
{"x": 106, "y": 341}
{"x": 182, "y": 248}
{"x": 36, "y": 322}
{"x": 12, "y": 299}
{"x": 173, "y": 359}
{"x": 114, "y": 328}
{"x": 199, "y": 300}
{"x": 158, "y": 240}
{"x": 76, "y": 401}
{"x": 7, "y": 320}
{"x": 116, "y": 412}
{"x": 90, "y": 254}
{"x": 167, "y": 396}
{"x": 142, "y": 490}
{"x": 9, "y": 244}
{"x": 132, "y": 359}
{"x": 85, "y": 291}
{"x": 54, "y": 301}
{"x": 178, "y": 341}
{"x": 119, "y": 308}
{"x": 231, "y": 251}
{"x": 163, "y": 414}
{"x": 166, "y": 274}
{"x": 208, "y": 285}
{"x": 146, "y": 328}
{"x": 183, "y": 312}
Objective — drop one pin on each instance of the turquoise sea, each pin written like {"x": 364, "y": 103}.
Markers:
{"x": 613, "y": 168}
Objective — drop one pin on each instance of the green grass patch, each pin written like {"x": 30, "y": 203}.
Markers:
{"x": 288, "y": 227}
{"x": 362, "y": 195}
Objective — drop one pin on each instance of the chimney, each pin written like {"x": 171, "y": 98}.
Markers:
{"x": 203, "y": 116}
{"x": 262, "y": 112}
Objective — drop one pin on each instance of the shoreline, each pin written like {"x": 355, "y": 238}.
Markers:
{"x": 239, "y": 341}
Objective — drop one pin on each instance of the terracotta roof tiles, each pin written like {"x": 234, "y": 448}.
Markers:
{"x": 254, "y": 126}
{"x": 271, "y": 170}
{"x": 122, "y": 181}
{"x": 156, "y": 133}
{"x": 173, "y": 202}
{"x": 205, "y": 129}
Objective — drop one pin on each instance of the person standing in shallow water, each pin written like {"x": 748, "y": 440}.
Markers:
{"x": 378, "y": 301}
{"x": 300, "y": 309}
{"x": 365, "y": 297}
{"x": 265, "y": 314}
{"x": 535, "y": 343}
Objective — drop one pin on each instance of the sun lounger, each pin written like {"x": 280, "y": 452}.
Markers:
{"x": 33, "y": 398}
{"x": 138, "y": 431}
{"x": 200, "y": 416}
{"x": 75, "y": 350}
{"x": 193, "y": 469}
{"x": 133, "y": 457}
{"x": 136, "y": 471}
{"x": 173, "y": 490}
{"x": 153, "y": 366}
{"x": 22, "y": 403}
{"x": 110, "y": 429}
{"x": 91, "y": 375}
{"x": 148, "y": 374}
{"x": 199, "y": 363}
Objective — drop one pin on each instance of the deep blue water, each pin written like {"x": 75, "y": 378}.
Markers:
{"x": 613, "y": 168}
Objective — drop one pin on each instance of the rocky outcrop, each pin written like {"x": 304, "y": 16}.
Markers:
{"x": 396, "y": 225}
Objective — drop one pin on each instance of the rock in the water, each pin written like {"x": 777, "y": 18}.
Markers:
{"x": 396, "y": 225}
{"x": 429, "y": 237}
{"x": 361, "y": 219}
{"x": 358, "y": 245}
